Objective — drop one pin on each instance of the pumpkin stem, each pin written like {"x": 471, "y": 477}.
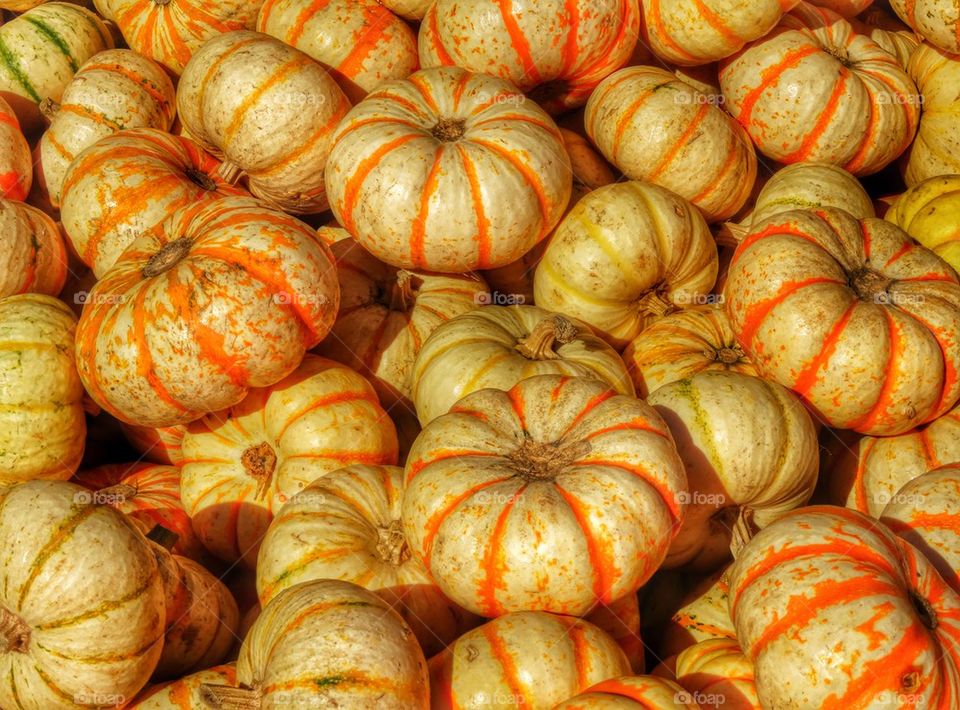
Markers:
{"x": 539, "y": 460}
{"x": 226, "y": 697}
{"x": 403, "y": 292}
{"x": 728, "y": 355}
{"x": 48, "y": 108}
{"x": 731, "y": 234}
{"x": 120, "y": 492}
{"x": 164, "y": 537}
{"x": 928, "y": 615}
{"x": 392, "y": 543}
{"x": 870, "y": 285}
{"x": 168, "y": 257}
{"x": 227, "y": 171}
{"x": 14, "y": 633}
{"x": 260, "y": 462}
{"x": 654, "y": 303}
{"x": 449, "y": 130}
{"x": 198, "y": 177}
{"x": 545, "y": 334}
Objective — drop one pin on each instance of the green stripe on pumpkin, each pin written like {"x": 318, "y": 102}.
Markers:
{"x": 9, "y": 60}
{"x": 54, "y": 36}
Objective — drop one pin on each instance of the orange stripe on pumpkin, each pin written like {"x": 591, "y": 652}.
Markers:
{"x": 494, "y": 564}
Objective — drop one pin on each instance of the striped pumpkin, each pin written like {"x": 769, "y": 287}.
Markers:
{"x": 621, "y": 620}
{"x": 591, "y": 474}
{"x": 41, "y": 49}
{"x": 924, "y": 513}
{"x": 682, "y": 344}
{"x": 498, "y": 346}
{"x": 934, "y": 151}
{"x": 829, "y": 593}
{"x": 242, "y": 464}
{"x": 234, "y": 81}
{"x": 362, "y": 42}
{"x": 184, "y": 693}
{"x": 114, "y": 90}
{"x": 327, "y": 643}
{"x": 880, "y": 317}
{"x": 465, "y": 145}
{"x": 862, "y": 118}
{"x": 149, "y": 495}
{"x": 346, "y": 525}
{"x": 557, "y": 50}
{"x": 865, "y": 474}
{"x": 42, "y": 426}
{"x": 126, "y": 184}
{"x": 717, "y": 674}
{"x": 649, "y": 252}
{"x": 937, "y": 21}
{"x": 631, "y": 693}
{"x": 256, "y": 286}
{"x": 386, "y": 315}
{"x": 693, "y": 32}
{"x": 751, "y": 454}
{"x": 527, "y": 659}
{"x": 33, "y": 257}
{"x": 699, "y": 152}
{"x": 16, "y": 163}
{"x": 157, "y": 445}
{"x": 408, "y": 9}
{"x": 891, "y": 34}
{"x": 704, "y": 614}
{"x": 171, "y": 31}
{"x": 71, "y": 638}
{"x": 930, "y": 213}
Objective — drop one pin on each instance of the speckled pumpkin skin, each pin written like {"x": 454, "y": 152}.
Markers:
{"x": 33, "y": 256}
{"x": 937, "y": 21}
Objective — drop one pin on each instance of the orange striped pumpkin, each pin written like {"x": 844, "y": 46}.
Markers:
{"x": 149, "y": 495}
{"x": 16, "y": 163}
{"x": 71, "y": 638}
{"x": 464, "y": 146}
{"x": 234, "y": 81}
{"x": 880, "y": 316}
{"x": 694, "y": 32}
{"x": 113, "y": 90}
{"x": 624, "y": 256}
{"x": 682, "y": 344}
{"x": 171, "y": 31}
{"x": 631, "y": 693}
{"x": 240, "y": 465}
{"x": 33, "y": 257}
{"x": 878, "y": 624}
{"x": 346, "y": 525}
{"x": 557, "y": 53}
{"x": 362, "y": 42}
{"x": 699, "y": 151}
{"x": 592, "y": 474}
{"x": 621, "y": 619}
{"x": 42, "y": 426}
{"x": 934, "y": 152}
{"x": 157, "y": 445}
{"x": 865, "y": 474}
{"x": 184, "y": 693}
{"x": 937, "y": 21}
{"x": 327, "y": 643}
{"x": 715, "y": 673}
{"x": 528, "y": 659}
{"x": 257, "y": 287}
{"x": 127, "y": 183}
{"x": 703, "y": 615}
{"x": 862, "y": 118}
{"x": 386, "y": 315}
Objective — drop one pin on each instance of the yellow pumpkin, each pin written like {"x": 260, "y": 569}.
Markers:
{"x": 930, "y": 213}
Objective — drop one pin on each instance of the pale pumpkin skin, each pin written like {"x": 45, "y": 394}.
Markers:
{"x": 346, "y": 525}
{"x": 242, "y": 464}
{"x": 235, "y": 80}
{"x": 624, "y": 256}
{"x": 252, "y": 289}
{"x": 930, "y": 213}
{"x": 16, "y": 163}
{"x": 936, "y": 150}
{"x": 751, "y": 454}
{"x": 716, "y": 669}
{"x": 682, "y": 344}
{"x": 498, "y": 346}
{"x": 592, "y": 475}
{"x": 814, "y": 89}
{"x": 555, "y": 50}
{"x": 698, "y": 151}
{"x": 838, "y": 580}
{"x": 632, "y": 693}
{"x": 937, "y": 21}
{"x": 703, "y": 615}
{"x": 33, "y": 257}
{"x": 891, "y": 34}
{"x": 158, "y": 445}
{"x": 361, "y": 41}
{"x": 880, "y": 314}
{"x": 327, "y": 643}
{"x": 866, "y": 474}
{"x": 113, "y": 90}
{"x": 42, "y": 425}
{"x": 689, "y": 33}
{"x": 528, "y": 659}
{"x": 126, "y": 184}
{"x": 67, "y": 634}
{"x": 184, "y": 693}
{"x": 621, "y": 619}
{"x": 386, "y": 315}
{"x": 420, "y": 171}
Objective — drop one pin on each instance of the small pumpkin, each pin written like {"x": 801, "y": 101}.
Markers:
{"x": 498, "y": 346}
{"x": 526, "y": 659}
{"x": 463, "y": 145}
{"x": 33, "y": 256}
{"x": 934, "y": 151}
{"x": 157, "y": 445}
{"x": 930, "y": 213}
{"x": 631, "y": 693}
{"x": 590, "y": 474}
{"x": 184, "y": 693}
{"x": 42, "y": 426}
{"x": 624, "y": 256}
{"x": 184, "y": 326}
{"x": 937, "y": 21}
{"x": 16, "y": 163}
{"x": 717, "y": 674}
{"x": 703, "y": 615}
{"x": 113, "y": 90}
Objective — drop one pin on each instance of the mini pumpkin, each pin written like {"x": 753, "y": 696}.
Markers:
{"x": 937, "y": 21}
{"x": 930, "y": 213}
{"x": 184, "y": 693}
{"x": 16, "y": 163}
{"x": 33, "y": 256}
{"x": 716, "y": 673}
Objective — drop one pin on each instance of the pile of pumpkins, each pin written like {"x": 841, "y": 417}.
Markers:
{"x": 415, "y": 354}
